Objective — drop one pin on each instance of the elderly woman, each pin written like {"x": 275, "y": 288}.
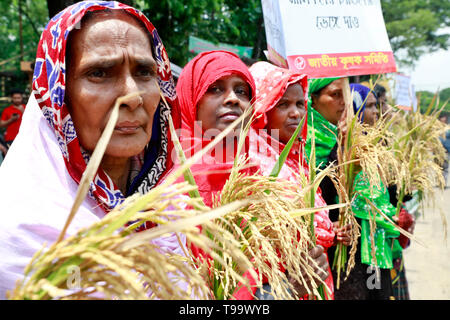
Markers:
{"x": 214, "y": 89}
{"x": 89, "y": 55}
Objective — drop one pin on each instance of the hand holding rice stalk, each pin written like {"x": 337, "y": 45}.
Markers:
{"x": 313, "y": 184}
{"x": 112, "y": 261}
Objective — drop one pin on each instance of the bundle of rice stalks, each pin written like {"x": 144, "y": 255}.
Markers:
{"x": 421, "y": 154}
{"x": 360, "y": 148}
{"x": 274, "y": 231}
{"x": 277, "y": 228}
{"x": 108, "y": 260}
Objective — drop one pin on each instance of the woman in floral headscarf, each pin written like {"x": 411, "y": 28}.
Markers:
{"x": 89, "y": 54}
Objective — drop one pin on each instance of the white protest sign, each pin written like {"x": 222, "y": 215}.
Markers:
{"x": 404, "y": 93}
{"x": 328, "y": 38}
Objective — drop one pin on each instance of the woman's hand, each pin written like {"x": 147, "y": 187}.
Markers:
{"x": 319, "y": 256}
{"x": 406, "y": 221}
{"x": 343, "y": 234}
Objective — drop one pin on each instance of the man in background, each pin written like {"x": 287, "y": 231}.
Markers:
{"x": 12, "y": 117}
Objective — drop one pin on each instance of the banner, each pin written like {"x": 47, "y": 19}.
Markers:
{"x": 328, "y": 38}
{"x": 197, "y": 45}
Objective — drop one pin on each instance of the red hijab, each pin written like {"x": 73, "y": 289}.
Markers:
{"x": 271, "y": 84}
{"x": 195, "y": 79}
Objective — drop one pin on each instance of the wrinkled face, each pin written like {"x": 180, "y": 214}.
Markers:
{"x": 224, "y": 101}
{"x": 110, "y": 56}
{"x": 371, "y": 111}
{"x": 288, "y": 113}
{"x": 16, "y": 99}
{"x": 330, "y": 102}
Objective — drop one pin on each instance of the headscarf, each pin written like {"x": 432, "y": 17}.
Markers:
{"x": 201, "y": 72}
{"x": 360, "y": 93}
{"x": 315, "y": 85}
{"x": 49, "y": 82}
{"x": 271, "y": 84}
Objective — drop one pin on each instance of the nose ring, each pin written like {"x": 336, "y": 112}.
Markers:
{"x": 141, "y": 101}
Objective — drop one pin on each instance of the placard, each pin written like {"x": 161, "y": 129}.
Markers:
{"x": 328, "y": 38}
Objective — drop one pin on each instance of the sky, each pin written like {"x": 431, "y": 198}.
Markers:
{"x": 432, "y": 72}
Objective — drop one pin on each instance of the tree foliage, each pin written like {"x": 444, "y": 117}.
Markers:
{"x": 34, "y": 18}
{"x": 426, "y": 97}
{"x": 227, "y": 21}
{"x": 413, "y": 27}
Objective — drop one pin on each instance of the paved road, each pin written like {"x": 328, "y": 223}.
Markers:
{"x": 428, "y": 269}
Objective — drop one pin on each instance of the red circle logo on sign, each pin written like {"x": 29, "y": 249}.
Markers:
{"x": 300, "y": 63}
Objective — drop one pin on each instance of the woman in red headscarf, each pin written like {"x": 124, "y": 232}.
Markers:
{"x": 280, "y": 104}
{"x": 213, "y": 90}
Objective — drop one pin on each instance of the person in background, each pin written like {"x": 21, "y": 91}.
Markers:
{"x": 446, "y": 143}
{"x": 370, "y": 279}
{"x": 385, "y": 108}
{"x": 12, "y": 117}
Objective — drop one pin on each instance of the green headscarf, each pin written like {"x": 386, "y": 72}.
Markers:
{"x": 315, "y": 85}
{"x": 325, "y": 132}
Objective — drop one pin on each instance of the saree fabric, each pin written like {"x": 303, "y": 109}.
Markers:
{"x": 39, "y": 177}
{"x": 385, "y": 232}
{"x": 271, "y": 84}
